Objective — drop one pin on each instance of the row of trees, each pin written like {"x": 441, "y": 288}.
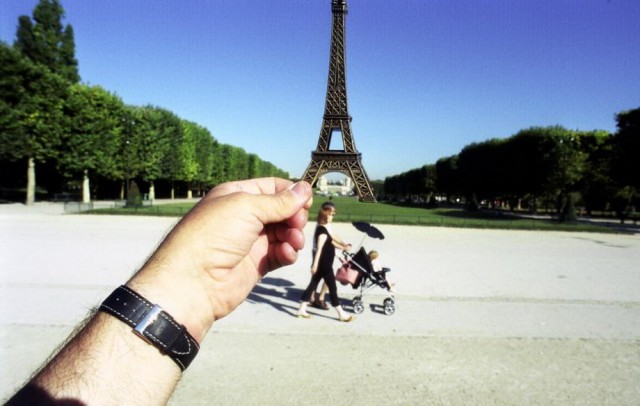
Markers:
{"x": 51, "y": 120}
{"x": 550, "y": 165}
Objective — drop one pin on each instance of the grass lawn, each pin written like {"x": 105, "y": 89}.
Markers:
{"x": 350, "y": 209}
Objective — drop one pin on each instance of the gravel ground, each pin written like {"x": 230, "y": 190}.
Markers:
{"x": 483, "y": 316}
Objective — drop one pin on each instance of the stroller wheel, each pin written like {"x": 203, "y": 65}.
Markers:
{"x": 389, "y": 306}
{"x": 358, "y": 305}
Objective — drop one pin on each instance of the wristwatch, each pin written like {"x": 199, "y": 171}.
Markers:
{"x": 153, "y": 324}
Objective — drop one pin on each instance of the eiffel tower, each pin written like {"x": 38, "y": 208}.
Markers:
{"x": 336, "y": 118}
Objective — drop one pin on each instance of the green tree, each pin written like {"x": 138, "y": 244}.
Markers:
{"x": 254, "y": 166}
{"x": 152, "y": 131}
{"x": 597, "y": 187}
{"x": 180, "y": 155}
{"x": 447, "y": 177}
{"x": 626, "y": 165}
{"x": 392, "y": 186}
{"x": 429, "y": 180}
{"x": 527, "y": 165}
{"x": 217, "y": 164}
{"x": 127, "y": 161}
{"x": 568, "y": 164}
{"x": 268, "y": 169}
{"x": 235, "y": 161}
{"x": 627, "y": 148}
{"x": 481, "y": 169}
{"x": 418, "y": 185}
{"x": 31, "y": 113}
{"x": 48, "y": 41}
{"x": 93, "y": 139}
{"x": 545, "y": 161}
{"x": 205, "y": 158}
{"x": 188, "y": 156}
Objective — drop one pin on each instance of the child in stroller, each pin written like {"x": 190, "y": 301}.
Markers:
{"x": 367, "y": 279}
{"x": 381, "y": 271}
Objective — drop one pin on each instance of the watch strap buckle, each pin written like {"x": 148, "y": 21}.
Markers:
{"x": 147, "y": 320}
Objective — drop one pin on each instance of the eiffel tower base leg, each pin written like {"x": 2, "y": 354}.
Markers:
{"x": 345, "y": 163}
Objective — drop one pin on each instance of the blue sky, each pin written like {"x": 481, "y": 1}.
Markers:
{"x": 424, "y": 77}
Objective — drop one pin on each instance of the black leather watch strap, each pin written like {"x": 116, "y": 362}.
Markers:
{"x": 153, "y": 324}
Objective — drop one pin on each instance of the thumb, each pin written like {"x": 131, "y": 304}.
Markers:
{"x": 284, "y": 204}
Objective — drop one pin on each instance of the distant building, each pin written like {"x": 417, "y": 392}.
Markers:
{"x": 343, "y": 187}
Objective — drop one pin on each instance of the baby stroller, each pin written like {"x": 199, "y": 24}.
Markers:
{"x": 358, "y": 271}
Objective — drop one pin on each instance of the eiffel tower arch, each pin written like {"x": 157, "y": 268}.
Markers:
{"x": 348, "y": 160}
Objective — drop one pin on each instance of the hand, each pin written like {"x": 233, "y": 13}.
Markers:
{"x": 216, "y": 254}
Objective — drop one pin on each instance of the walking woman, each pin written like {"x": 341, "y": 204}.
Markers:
{"x": 322, "y": 266}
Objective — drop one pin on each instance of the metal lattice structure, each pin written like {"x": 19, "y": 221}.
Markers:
{"x": 336, "y": 118}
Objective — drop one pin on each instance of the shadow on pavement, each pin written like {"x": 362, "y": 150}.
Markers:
{"x": 270, "y": 289}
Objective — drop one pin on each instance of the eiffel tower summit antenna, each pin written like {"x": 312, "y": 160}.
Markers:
{"x": 336, "y": 118}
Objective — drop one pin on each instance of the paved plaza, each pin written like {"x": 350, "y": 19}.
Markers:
{"x": 482, "y": 316}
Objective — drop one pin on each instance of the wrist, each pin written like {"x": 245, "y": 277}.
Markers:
{"x": 153, "y": 324}
{"x": 182, "y": 297}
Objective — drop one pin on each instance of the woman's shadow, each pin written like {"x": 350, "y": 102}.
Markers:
{"x": 283, "y": 296}
{"x": 270, "y": 289}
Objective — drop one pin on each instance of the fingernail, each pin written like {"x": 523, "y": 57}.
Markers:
{"x": 300, "y": 189}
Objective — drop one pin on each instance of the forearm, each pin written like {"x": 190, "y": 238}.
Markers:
{"x": 322, "y": 239}
{"x": 314, "y": 264}
{"x": 105, "y": 363}
{"x": 108, "y": 363}
{"x": 341, "y": 245}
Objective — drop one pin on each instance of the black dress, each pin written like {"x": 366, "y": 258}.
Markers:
{"x": 325, "y": 268}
